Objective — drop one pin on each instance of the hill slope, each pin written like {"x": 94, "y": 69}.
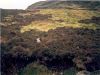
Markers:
{"x": 69, "y": 38}
{"x": 65, "y": 4}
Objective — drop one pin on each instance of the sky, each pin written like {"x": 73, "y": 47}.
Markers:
{"x": 16, "y": 4}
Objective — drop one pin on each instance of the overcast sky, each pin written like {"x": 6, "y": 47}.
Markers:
{"x": 16, "y": 4}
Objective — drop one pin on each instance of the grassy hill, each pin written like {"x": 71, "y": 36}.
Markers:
{"x": 68, "y": 33}
{"x": 66, "y": 4}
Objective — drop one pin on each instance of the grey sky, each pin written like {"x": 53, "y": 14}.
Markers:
{"x": 16, "y": 4}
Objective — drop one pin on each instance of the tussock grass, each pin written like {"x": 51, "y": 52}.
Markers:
{"x": 61, "y": 18}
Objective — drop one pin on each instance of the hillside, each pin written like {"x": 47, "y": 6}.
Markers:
{"x": 45, "y": 40}
{"x": 66, "y": 4}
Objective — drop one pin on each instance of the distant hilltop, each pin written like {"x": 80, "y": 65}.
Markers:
{"x": 56, "y": 0}
{"x": 65, "y": 4}
{"x": 70, "y": 0}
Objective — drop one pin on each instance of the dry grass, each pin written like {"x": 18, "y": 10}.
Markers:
{"x": 68, "y": 17}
